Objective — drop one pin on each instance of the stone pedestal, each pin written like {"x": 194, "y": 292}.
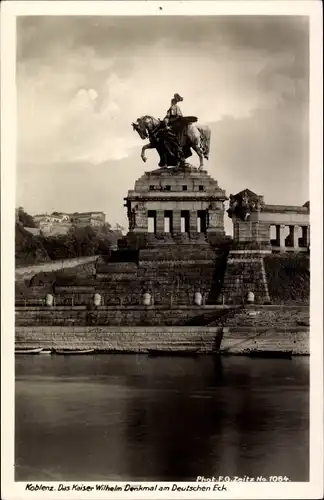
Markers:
{"x": 245, "y": 272}
{"x": 174, "y": 265}
{"x": 183, "y": 194}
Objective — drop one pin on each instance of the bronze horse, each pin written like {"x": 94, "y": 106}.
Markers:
{"x": 173, "y": 143}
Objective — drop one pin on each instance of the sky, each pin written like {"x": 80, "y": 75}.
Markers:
{"x": 82, "y": 81}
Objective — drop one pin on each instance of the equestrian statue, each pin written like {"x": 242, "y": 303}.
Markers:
{"x": 174, "y": 136}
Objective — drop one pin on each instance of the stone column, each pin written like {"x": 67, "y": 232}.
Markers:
{"x": 193, "y": 221}
{"x": 177, "y": 221}
{"x": 160, "y": 221}
{"x": 139, "y": 213}
{"x": 294, "y": 232}
{"x": 282, "y": 236}
{"x": 215, "y": 219}
{"x": 212, "y": 220}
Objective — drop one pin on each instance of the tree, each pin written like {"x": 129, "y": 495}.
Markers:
{"x": 25, "y": 219}
{"x": 78, "y": 242}
{"x": 82, "y": 241}
{"x": 28, "y": 248}
{"x": 119, "y": 227}
{"x": 58, "y": 247}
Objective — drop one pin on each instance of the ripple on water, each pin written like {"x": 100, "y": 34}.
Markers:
{"x": 121, "y": 417}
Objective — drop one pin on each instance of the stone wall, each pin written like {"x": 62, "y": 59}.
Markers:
{"x": 129, "y": 339}
{"x": 168, "y": 282}
{"x": 251, "y": 230}
{"x": 118, "y": 315}
{"x": 171, "y": 273}
{"x": 209, "y": 329}
{"x": 33, "y": 291}
{"x": 243, "y": 341}
{"x": 245, "y": 273}
{"x": 140, "y": 339}
{"x": 283, "y": 317}
{"x": 23, "y": 273}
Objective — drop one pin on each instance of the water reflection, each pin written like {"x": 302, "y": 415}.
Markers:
{"x": 109, "y": 417}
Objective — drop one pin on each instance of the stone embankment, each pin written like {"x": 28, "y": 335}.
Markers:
{"x": 120, "y": 316}
{"x": 267, "y": 328}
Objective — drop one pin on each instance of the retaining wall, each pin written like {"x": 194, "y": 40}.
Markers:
{"x": 139, "y": 339}
{"x": 275, "y": 316}
{"x": 22, "y": 273}
{"x": 118, "y": 315}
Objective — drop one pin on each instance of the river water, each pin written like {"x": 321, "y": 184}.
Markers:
{"x": 131, "y": 417}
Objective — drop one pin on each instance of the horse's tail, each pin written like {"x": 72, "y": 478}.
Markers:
{"x": 205, "y": 134}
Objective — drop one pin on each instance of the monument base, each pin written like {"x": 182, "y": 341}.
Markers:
{"x": 245, "y": 273}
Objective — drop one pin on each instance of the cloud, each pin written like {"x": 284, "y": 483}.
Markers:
{"x": 83, "y": 107}
{"x": 38, "y": 35}
{"x": 82, "y": 81}
{"x": 265, "y": 152}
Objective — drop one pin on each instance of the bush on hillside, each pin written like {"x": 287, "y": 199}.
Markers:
{"x": 25, "y": 219}
{"x": 78, "y": 242}
{"x": 288, "y": 277}
{"x": 28, "y": 248}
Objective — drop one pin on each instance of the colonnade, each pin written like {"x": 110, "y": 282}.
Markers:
{"x": 177, "y": 221}
{"x": 292, "y": 240}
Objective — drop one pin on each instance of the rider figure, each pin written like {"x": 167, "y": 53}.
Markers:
{"x": 173, "y": 115}
{"x": 174, "y": 112}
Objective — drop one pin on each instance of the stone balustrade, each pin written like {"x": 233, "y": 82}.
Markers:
{"x": 292, "y": 227}
{"x": 292, "y": 241}
{"x": 282, "y": 228}
{"x": 252, "y": 223}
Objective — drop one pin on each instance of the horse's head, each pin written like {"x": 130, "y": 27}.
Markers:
{"x": 145, "y": 125}
{"x": 141, "y": 127}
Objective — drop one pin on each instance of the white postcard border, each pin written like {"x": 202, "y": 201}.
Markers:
{"x": 16, "y": 491}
